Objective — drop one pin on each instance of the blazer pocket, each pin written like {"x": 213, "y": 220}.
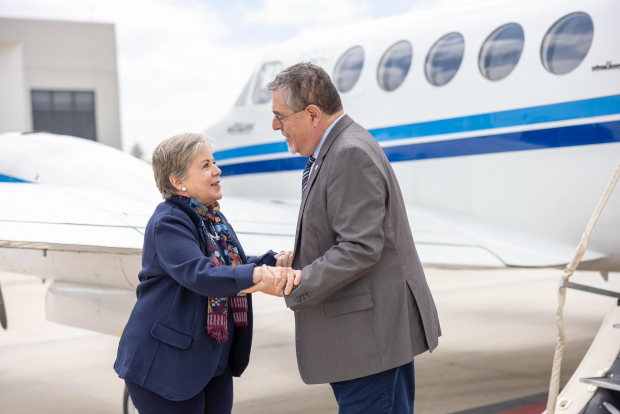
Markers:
{"x": 348, "y": 304}
{"x": 170, "y": 336}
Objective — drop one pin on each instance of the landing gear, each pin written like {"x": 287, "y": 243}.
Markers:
{"x": 128, "y": 407}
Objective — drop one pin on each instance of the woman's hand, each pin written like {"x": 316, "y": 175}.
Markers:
{"x": 257, "y": 276}
{"x": 284, "y": 259}
{"x": 264, "y": 281}
{"x": 257, "y": 279}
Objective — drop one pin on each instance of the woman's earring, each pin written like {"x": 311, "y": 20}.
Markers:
{"x": 184, "y": 189}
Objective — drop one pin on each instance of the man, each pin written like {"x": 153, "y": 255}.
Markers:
{"x": 363, "y": 309}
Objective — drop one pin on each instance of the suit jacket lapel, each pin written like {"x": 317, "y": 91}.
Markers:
{"x": 344, "y": 123}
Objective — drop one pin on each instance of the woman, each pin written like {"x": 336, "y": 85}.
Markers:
{"x": 190, "y": 331}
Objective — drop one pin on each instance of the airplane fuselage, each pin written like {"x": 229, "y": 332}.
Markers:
{"x": 524, "y": 157}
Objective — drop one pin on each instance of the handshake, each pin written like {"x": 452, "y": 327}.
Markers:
{"x": 276, "y": 280}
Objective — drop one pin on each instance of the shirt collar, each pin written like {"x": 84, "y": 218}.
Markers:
{"x": 315, "y": 154}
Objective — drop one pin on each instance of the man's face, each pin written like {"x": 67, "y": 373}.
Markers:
{"x": 295, "y": 127}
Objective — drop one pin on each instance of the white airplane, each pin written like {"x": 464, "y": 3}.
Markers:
{"x": 500, "y": 126}
{"x": 501, "y": 119}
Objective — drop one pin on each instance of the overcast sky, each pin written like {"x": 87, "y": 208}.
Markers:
{"x": 182, "y": 63}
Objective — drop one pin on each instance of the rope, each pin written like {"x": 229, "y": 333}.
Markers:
{"x": 554, "y": 386}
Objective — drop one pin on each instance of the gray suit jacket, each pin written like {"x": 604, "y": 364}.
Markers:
{"x": 363, "y": 305}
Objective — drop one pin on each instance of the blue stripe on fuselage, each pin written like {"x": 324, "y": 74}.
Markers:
{"x": 588, "y": 108}
{"x": 7, "y": 179}
{"x": 569, "y": 136}
{"x": 609, "y": 105}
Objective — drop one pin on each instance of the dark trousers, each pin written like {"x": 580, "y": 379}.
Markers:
{"x": 388, "y": 392}
{"x": 215, "y": 398}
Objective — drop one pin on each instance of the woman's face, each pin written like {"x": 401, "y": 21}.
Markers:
{"x": 203, "y": 179}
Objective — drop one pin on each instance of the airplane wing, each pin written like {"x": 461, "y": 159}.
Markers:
{"x": 54, "y": 218}
{"x": 47, "y": 230}
{"x": 445, "y": 242}
{"x": 50, "y": 217}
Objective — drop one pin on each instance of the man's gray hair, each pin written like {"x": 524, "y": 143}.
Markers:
{"x": 306, "y": 84}
{"x": 173, "y": 157}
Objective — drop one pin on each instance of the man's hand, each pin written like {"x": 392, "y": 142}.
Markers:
{"x": 285, "y": 275}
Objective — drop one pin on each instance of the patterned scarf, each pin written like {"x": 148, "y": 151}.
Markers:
{"x": 221, "y": 251}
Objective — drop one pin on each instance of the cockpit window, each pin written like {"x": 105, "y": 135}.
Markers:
{"x": 242, "y": 99}
{"x": 444, "y": 59}
{"x": 501, "y": 52}
{"x": 567, "y": 43}
{"x": 266, "y": 74}
{"x": 395, "y": 65}
{"x": 348, "y": 69}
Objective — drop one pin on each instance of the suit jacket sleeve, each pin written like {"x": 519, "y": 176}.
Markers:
{"x": 356, "y": 208}
{"x": 179, "y": 254}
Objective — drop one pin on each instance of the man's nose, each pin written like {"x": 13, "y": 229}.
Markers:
{"x": 275, "y": 124}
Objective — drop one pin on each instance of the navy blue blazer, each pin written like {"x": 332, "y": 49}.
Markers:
{"x": 165, "y": 346}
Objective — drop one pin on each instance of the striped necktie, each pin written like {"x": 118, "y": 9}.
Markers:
{"x": 306, "y": 175}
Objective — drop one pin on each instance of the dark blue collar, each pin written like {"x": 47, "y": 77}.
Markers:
{"x": 183, "y": 206}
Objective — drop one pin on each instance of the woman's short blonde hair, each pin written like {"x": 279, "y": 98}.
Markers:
{"x": 173, "y": 157}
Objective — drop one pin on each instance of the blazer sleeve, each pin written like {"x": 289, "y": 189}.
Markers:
{"x": 357, "y": 195}
{"x": 180, "y": 256}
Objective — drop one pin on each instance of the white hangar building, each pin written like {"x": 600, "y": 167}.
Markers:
{"x": 59, "y": 77}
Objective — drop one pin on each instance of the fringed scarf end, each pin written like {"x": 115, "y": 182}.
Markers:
{"x": 241, "y": 319}
{"x": 220, "y": 334}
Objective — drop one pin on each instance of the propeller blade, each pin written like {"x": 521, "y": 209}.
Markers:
{"x": 2, "y": 311}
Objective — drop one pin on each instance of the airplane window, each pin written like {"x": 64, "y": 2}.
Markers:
{"x": 501, "y": 51}
{"x": 444, "y": 59}
{"x": 266, "y": 74}
{"x": 244, "y": 94}
{"x": 395, "y": 65}
{"x": 348, "y": 69}
{"x": 567, "y": 43}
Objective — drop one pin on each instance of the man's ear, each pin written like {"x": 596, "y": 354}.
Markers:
{"x": 315, "y": 114}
